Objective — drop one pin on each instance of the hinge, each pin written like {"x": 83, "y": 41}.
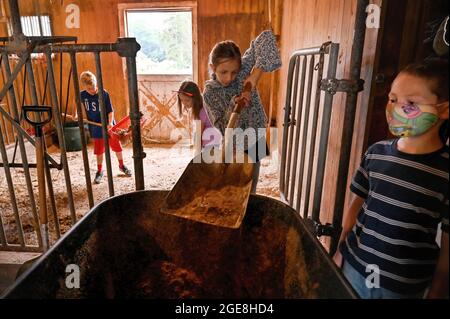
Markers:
{"x": 324, "y": 230}
{"x": 333, "y": 86}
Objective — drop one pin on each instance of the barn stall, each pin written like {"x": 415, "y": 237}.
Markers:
{"x": 319, "y": 107}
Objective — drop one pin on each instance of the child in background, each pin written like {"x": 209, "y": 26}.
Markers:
{"x": 89, "y": 97}
{"x": 190, "y": 98}
{"x": 400, "y": 195}
{"x": 229, "y": 75}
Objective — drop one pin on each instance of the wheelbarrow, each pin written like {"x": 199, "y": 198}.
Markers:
{"x": 126, "y": 248}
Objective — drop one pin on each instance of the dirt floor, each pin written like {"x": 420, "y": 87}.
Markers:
{"x": 163, "y": 165}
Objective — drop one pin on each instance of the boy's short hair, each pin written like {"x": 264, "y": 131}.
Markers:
{"x": 88, "y": 78}
{"x": 434, "y": 70}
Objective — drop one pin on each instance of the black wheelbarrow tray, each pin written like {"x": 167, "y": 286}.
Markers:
{"x": 125, "y": 248}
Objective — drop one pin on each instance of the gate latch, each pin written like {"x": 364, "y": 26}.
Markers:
{"x": 333, "y": 86}
{"x": 324, "y": 230}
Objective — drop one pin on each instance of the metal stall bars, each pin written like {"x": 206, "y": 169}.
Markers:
{"x": 23, "y": 47}
{"x": 300, "y": 126}
{"x": 303, "y": 111}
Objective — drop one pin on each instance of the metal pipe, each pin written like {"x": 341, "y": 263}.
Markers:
{"x": 305, "y": 134}
{"x": 286, "y": 124}
{"x": 7, "y": 134}
{"x": 76, "y": 86}
{"x": 12, "y": 194}
{"x": 67, "y": 48}
{"x": 313, "y": 135}
{"x": 3, "y": 241}
{"x": 325, "y": 130}
{"x": 51, "y": 193}
{"x": 349, "y": 119}
{"x": 15, "y": 18}
{"x": 104, "y": 118}
{"x": 135, "y": 116}
{"x": 32, "y": 87}
{"x": 59, "y": 131}
{"x": 15, "y": 112}
{"x": 30, "y": 165}
{"x": 292, "y": 126}
{"x": 12, "y": 77}
{"x": 307, "y": 51}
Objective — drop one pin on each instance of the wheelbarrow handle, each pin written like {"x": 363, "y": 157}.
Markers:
{"x": 37, "y": 109}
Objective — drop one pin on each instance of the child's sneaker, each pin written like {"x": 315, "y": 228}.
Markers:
{"x": 98, "y": 177}
{"x": 125, "y": 170}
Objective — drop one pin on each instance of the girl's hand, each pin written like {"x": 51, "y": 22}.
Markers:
{"x": 246, "y": 94}
{"x": 246, "y": 97}
{"x": 252, "y": 79}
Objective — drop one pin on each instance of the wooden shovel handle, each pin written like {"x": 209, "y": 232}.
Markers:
{"x": 240, "y": 104}
{"x": 70, "y": 117}
{"x": 92, "y": 123}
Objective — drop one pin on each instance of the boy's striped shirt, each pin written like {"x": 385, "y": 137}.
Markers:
{"x": 406, "y": 197}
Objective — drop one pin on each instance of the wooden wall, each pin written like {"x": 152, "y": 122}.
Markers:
{"x": 238, "y": 20}
{"x": 309, "y": 23}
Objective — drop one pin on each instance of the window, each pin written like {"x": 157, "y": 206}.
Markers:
{"x": 165, "y": 37}
{"x": 32, "y": 27}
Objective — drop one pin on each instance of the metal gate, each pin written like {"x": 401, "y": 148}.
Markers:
{"x": 305, "y": 113}
{"x": 305, "y": 135}
{"x": 22, "y": 46}
{"x": 306, "y": 128}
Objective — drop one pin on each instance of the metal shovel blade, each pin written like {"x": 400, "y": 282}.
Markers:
{"x": 212, "y": 193}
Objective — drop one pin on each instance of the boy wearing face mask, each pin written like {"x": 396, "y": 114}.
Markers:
{"x": 388, "y": 245}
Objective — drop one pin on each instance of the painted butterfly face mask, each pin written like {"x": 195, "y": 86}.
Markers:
{"x": 407, "y": 120}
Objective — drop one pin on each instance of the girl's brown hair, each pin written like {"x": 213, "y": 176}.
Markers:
{"x": 225, "y": 50}
{"x": 191, "y": 89}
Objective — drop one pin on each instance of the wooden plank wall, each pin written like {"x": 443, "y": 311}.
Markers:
{"x": 309, "y": 23}
{"x": 238, "y": 20}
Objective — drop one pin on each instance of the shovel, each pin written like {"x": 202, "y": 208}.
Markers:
{"x": 39, "y": 111}
{"x": 214, "y": 193}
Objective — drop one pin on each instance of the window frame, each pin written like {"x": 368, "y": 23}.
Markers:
{"x": 163, "y": 6}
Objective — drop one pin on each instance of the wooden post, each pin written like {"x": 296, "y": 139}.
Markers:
{"x": 275, "y": 23}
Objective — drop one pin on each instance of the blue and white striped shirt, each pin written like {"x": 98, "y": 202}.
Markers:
{"x": 406, "y": 197}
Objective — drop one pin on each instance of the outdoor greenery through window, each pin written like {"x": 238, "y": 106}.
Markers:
{"x": 165, "y": 38}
